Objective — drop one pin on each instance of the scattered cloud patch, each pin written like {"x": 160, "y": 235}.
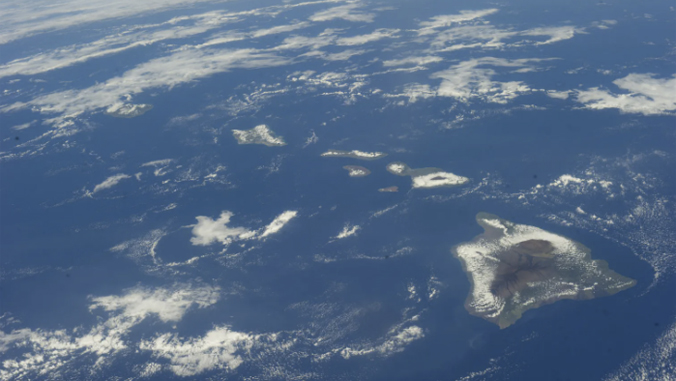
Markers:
{"x": 643, "y": 94}
{"x": 348, "y": 231}
{"x": 279, "y": 222}
{"x": 110, "y": 182}
{"x": 45, "y": 351}
{"x": 443, "y": 21}
{"x": 474, "y": 79}
{"x": 347, "y": 12}
{"x": 208, "y": 231}
{"x": 220, "y": 348}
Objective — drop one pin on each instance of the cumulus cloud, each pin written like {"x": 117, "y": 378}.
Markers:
{"x": 208, "y": 231}
{"x": 48, "y": 351}
{"x": 169, "y": 304}
{"x": 217, "y": 349}
{"x": 347, "y": 12}
{"x": 396, "y": 342}
{"x": 643, "y": 94}
{"x": 472, "y": 79}
{"x": 110, "y": 182}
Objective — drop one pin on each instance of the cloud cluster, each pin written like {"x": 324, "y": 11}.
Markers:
{"x": 217, "y": 349}
{"x": 208, "y": 231}
{"x": 49, "y": 351}
{"x": 474, "y": 79}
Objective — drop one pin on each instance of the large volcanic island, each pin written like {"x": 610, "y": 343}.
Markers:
{"x": 514, "y": 268}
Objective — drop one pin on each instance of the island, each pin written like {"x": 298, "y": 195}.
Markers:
{"x": 128, "y": 110}
{"x": 513, "y": 268}
{"x": 389, "y": 189}
{"x": 357, "y": 171}
{"x": 260, "y": 134}
{"x": 354, "y": 154}
{"x": 427, "y": 177}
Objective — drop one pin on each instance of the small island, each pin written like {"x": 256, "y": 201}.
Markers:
{"x": 128, "y": 110}
{"x": 514, "y": 268}
{"x": 357, "y": 171}
{"x": 427, "y": 177}
{"x": 389, "y": 189}
{"x": 354, "y": 154}
{"x": 260, "y": 134}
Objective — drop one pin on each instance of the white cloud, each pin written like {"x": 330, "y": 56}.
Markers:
{"x": 46, "y": 351}
{"x": 346, "y": 12}
{"x": 442, "y": 21}
{"x": 325, "y": 38}
{"x": 110, "y": 182}
{"x": 217, "y": 349}
{"x": 180, "y": 67}
{"x": 655, "y": 361}
{"x": 19, "y": 19}
{"x": 23, "y": 126}
{"x": 555, "y": 34}
{"x": 157, "y": 163}
{"x": 396, "y": 341}
{"x": 208, "y": 231}
{"x": 340, "y": 56}
{"x": 470, "y": 79}
{"x": 169, "y": 304}
{"x": 348, "y": 231}
{"x": 137, "y": 37}
{"x": 558, "y": 94}
{"x": 644, "y": 94}
{"x": 412, "y": 60}
{"x": 414, "y": 91}
{"x": 376, "y": 35}
{"x": 279, "y": 29}
{"x": 278, "y": 223}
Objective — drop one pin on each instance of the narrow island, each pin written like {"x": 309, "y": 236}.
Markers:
{"x": 128, "y": 110}
{"x": 513, "y": 268}
{"x": 354, "y": 154}
{"x": 260, "y": 134}
{"x": 389, "y": 189}
{"x": 427, "y": 177}
{"x": 357, "y": 171}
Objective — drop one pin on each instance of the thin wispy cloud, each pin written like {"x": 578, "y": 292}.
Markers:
{"x": 19, "y": 19}
{"x": 348, "y": 12}
{"x": 445, "y": 21}
{"x": 110, "y": 182}
{"x": 175, "y": 69}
